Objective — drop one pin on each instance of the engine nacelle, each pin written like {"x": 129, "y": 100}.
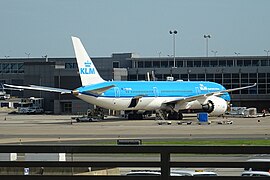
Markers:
{"x": 215, "y": 106}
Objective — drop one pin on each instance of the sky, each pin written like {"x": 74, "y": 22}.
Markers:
{"x": 44, "y": 27}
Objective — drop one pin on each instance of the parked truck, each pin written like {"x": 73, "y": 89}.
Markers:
{"x": 31, "y": 106}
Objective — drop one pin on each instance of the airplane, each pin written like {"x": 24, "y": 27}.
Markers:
{"x": 167, "y": 98}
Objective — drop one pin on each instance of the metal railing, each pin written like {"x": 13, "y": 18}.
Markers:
{"x": 164, "y": 164}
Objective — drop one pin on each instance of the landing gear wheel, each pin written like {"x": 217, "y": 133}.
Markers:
{"x": 135, "y": 116}
{"x": 175, "y": 115}
{"x": 139, "y": 116}
{"x": 180, "y": 116}
{"x": 130, "y": 116}
{"x": 170, "y": 116}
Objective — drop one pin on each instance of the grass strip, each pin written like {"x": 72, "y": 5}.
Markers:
{"x": 233, "y": 142}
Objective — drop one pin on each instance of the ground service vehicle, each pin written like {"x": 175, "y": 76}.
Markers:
{"x": 258, "y": 169}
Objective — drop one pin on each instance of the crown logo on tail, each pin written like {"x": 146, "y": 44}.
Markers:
{"x": 87, "y": 64}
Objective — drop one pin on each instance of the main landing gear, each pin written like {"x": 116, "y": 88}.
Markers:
{"x": 163, "y": 115}
{"x": 135, "y": 116}
{"x": 160, "y": 115}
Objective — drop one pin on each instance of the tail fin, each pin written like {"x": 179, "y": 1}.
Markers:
{"x": 88, "y": 72}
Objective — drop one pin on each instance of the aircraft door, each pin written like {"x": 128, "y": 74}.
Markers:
{"x": 198, "y": 91}
{"x": 155, "y": 90}
{"x": 117, "y": 92}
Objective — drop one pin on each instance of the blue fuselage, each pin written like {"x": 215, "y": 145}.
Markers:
{"x": 130, "y": 89}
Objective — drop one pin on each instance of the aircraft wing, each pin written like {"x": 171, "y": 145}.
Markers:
{"x": 204, "y": 96}
{"x": 236, "y": 89}
{"x": 40, "y": 88}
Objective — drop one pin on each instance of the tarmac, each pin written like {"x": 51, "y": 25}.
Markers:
{"x": 55, "y": 129}
{"x": 16, "y": 128}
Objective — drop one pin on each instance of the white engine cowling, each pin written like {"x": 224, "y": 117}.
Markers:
{"x": 215, "y": 106}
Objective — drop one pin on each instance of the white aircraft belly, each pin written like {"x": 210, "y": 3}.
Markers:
{"x": 156, "y": 103}
{"x": 108, "y": 103}
{"x": 145, "y": 103}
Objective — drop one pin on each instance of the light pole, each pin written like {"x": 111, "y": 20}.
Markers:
{"x": 215, "y": 52}
{"x": 173, "y": 34}
{"x": 159, "y": 54}
{"x": 28, "y": 54}
{"x": 46, "y": 58}
{"x": 267, "y": 52}
{"x": 236, "y": 53}
{"x": 207, "y": 37}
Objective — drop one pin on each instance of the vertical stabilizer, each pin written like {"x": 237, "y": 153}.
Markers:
{"x": 88, "y": 72}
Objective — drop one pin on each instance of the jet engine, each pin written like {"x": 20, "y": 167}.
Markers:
{"x": 215, "y": 106}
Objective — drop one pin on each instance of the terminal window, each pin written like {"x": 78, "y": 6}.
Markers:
{"x": 66, "y": 107}
{"x": 116, "y": 64}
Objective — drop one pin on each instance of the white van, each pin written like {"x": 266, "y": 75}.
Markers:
{"x": 258, "y": 169}
{"x": 251, "y": 171}
{"x": 193, "y": 172}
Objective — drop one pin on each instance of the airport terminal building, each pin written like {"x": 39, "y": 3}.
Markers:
{"x": 231, "y": 72}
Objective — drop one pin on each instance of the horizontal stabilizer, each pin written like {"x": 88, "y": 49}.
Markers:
{"x": 99, "y": 91}
{"x": 8, "y": 88}
{"x": 40, "y": 88}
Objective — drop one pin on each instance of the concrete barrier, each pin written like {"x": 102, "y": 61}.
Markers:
{"x": 8, "y": 156}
